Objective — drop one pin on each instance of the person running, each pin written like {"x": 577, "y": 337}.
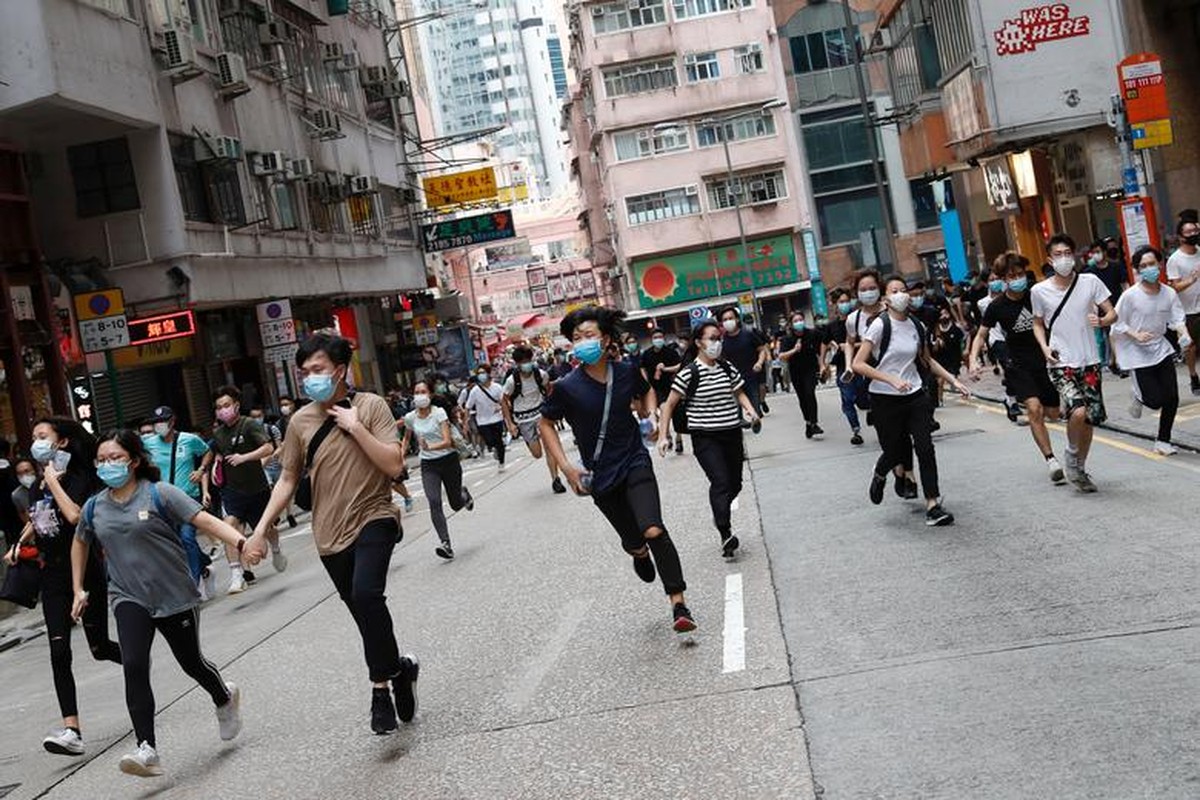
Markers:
{"x": 1183, "y": 275}
{"x": 137, "y": 522}
{"x": 184, "y": 459}
{"x": 848, "y": 384}
{"x": 631, "y": 351}
{"x": 746, "y": 348}
{"x": 869, "y": 290}
{"x": 525, "y": 389}
{"x": 893, "y": 353}
{"x": 66, "y": 452}
{"x": 1024, "y": 363}
{"x": 947, "y": 347}
{"x": 241, "y": 444}
{"x": 1064, "y": 315}
{"x": 803, "y": 350}
{"x": 617, "y": 471}
{"x": 660, "y": 364}
{"x": 1144, "y": 315}
{"x": 427, "y": 427}
{"x": 355, "y": 524}
{"x": 26, "y": 469}
{"x": 997, "y": 347}
{"x": 484, "y": 400}
{"x": 713, "y": 396}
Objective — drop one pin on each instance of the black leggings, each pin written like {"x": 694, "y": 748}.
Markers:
{"x": 721, "y": 455}
{"x": 493, "y": 437}
{"x": 904, "y": 424}
{"x": 437, "y": 473}
{"x": 136, "y": 629}
{"x": 57, "y": 598}
{"x": 360, "y": 575}
{"x": 805, "y": 382}
{"x": 1159, "y": 389}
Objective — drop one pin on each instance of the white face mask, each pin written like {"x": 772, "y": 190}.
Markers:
{"x": 713, "y": 349}
{"x": 162, "y": 428}
{"x": 730, "y": 325}
{"x": 868, "y": 297}
{"x": 421, "y": 401}
{"x": 28, "y": 481}
{"x": 899, "y": 301}
{"x": 1063, "y": 265}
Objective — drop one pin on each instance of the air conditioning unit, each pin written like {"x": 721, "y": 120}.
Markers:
{"x": 597, "y": 11}
{"x": 390, "y": 89}
{"x": 325, "y": 122}
{"x": 298, "y": 168}
{"x": 368, "y": 76}
{"x": 268, "y": 163}
{"x": 331, "y": 51}
{"x": 634, "y": 5}
{"x": 350, "y": 62}
{"x": 181, "y": 50}
{"x": 643, "y": 136}
{"x": 881, "y": 39}
{"x": 271, "y": 33}
{"x": 218, "y": 148}
{"x": 231, "y": 71}
{"x": 758, "y": 186}
{"x": 363, "y": 184}
{"x": 691, "y": 191}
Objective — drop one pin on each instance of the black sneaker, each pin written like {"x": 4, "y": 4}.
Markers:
{"x": 937, "y": 516}
{"x": 935, "y": 426}
{"x": 856, "y": 439}
{"x": 557, "y": 486}
{"x": 679, "y": 446}
{"x": 469, "y": 505}
{"x": 683, "y": 619}
{"x": 816, "y": 430}
{"x": 383, "y": 712}
{"x": 729, "y": 545}
{"x": 878, "y": 484}
{"x": 444, "y": 551}
{"x": 808, "y": 431}
{"x": 906, "y": 488}
{"x": 291, "y": 521}
{"x": 756, "y": 426}
{"x": 1013, "y": 411}
{"x": 248, "y": 576}
{"x": 1196, "y": 386}
{"x": 766, "y": 408}
{"x": 404, "y": 685}
{"x": 644, "y": 567}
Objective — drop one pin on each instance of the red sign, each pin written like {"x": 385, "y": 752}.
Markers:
{"x": 1143, "y": 87}
{"x": 176, "y": 325}
{"x": 1038, "y": 25}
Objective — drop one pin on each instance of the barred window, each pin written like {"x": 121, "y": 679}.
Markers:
{"x": 625, "y": 14}
{"x": 645, "y": 76}
{"x": 751, "y": 187}
{"x": 751, "y": 126}
{"x": 686, "y": 9}
{"x": 665, "y": 204}
{"x": 701, "y": 67}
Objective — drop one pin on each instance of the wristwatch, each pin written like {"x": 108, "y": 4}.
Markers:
{"x": 241, "y": 544}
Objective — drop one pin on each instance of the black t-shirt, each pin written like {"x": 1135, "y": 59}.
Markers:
{"x": 668, "y": 357}
{"x": 1015, "y": 318}
{"x": 10, "y": 520}
{"x": 741, "y": 350}
{"x": 808, "y": 359}
{"x": 1112, "y": 274}
{"x": 54, "y": 532}
{"x": 835, "y": 334}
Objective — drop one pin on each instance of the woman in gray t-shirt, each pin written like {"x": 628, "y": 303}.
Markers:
{"x": 136, "y": 520}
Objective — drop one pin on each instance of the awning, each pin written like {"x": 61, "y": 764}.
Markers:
{"x": 523, "y": 321}
{"x": 715, "y": 301}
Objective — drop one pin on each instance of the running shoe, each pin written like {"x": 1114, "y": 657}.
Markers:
{"x": 679, "y": 445}
{"x": 237, "y": 582}
{"x": 404, "y": 685}
{"x": 756, "y": 426}
{"x": 1012, "y": 410}
{"x": 1056, "y": 471}
{"x": 143, "y": 762}
{"x": 502, "y": 467}
{"x": 644, "y": 567}
{"x": 906, "y": 488}
{"x": 856, "y": 439}
{"x": 938, "y": 516}
{"x": 817, "y": 432}
{"x": 469, "y": 503}
{"x": 1195, "y": 386}
{"x": 279, "y": 561}
{"x": 808, "y": 430}
{"x": 383, "y": 711}
{"x": 766, "y": 408}
{"x": 249, "y": 576}
{"x": 878, "y": 484}
{"x": 683, "y": 619}
{"x": 408, "y": 505}
{"x": 557, "y": 486}
{"x": 202, "y": 588}
{"x": 935, "y": 427}
{"x": 1165, "y": 448}
{"x": 229, "y": 716}
{"x": 729, "y": 545}
{"x": 445, "y": 551}
{"x": 1085, "y": 484}
{"x": 65, "y": 742}
{"x": 291, "y": 521}
{"x": 1135, "y": 407}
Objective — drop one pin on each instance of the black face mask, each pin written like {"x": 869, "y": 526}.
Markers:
{"x": 1192, "y": 240}
{"x": 1114, "y": 253}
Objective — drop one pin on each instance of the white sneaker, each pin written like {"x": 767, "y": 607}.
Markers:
{"x": 1056, "y": 470}
{"x": 237, "y": 583}
{"x": 1135, "y": 408}
{"x": 1165, "y": 448}
{"x": 65, "y": 742}
{"x": 144, "y": 762}
{"x": 210, "y": 582}
{"x": 229, "y": 716}
{"x": 279, "y": 561}
{"x": 202, "y": 588}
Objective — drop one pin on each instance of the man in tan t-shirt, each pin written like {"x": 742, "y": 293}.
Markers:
{"x": 355, "y": 525}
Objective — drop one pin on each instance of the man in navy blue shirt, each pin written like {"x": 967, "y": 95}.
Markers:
{"x": 746, "y": 349}
{"x": 616, "y": 469}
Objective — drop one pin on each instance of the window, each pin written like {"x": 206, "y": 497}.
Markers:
{"x": 749, "y": 59}
{"x": 619, "y": 16}
{"x": 913, "y": 58}
{"x": 751, "y": 126}
{"x": 104, "y": 178}
{"x": 210, "y": 191}
{"x": 666, "y": 204}
{"x": 649, "y": 142}
{"x": 924, "y": 204}
{"x": 952, "y": 32}
{"x": 685, "y": 9}
{"x": 840, "y": 171}
{"x": 362, "y": 214}
{"x": 820, "y": 51}
{"x": 645, "y": 76}
{"x": 753, "y": 188}
{"x": 701, "y": 67}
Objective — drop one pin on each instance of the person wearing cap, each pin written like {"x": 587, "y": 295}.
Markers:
{"x": 183, "y": 459}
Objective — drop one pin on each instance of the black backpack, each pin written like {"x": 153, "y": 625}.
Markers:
{"x": 886, "y": 339}
{"x": 515, "y": 374}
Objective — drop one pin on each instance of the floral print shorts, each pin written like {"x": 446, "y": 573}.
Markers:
{"x": 1079, "y": 387}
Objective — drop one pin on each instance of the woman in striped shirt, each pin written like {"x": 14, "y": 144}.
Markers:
{"x": 714, "y": 399}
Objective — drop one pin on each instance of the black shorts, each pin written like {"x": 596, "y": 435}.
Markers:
{"x": 1024, "y": 382}
{"x": 248, "y": 508}
{"x": 632, "y": 507}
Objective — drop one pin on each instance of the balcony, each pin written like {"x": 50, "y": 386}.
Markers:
{"x": 825, "y": 86}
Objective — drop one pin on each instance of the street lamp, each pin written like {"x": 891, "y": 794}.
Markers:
{"x": 721, "y": 123}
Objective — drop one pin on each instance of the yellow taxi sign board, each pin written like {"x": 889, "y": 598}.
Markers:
{"x": 97, "y": 305}
{"x": 472, "y": 186}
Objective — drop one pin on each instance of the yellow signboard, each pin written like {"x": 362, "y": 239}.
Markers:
{"x": 97, "y": 305}
{"x": 1152, "y": 133}
{"x": 446, "y": 191}
{"x": 152, "y": 354}
{"x": 513, "y": 194}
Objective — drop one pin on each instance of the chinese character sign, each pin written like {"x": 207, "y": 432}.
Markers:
{"x": 718, "y": 271}
{"x": 445, "y": 191}
{"x": 467, "y": 231}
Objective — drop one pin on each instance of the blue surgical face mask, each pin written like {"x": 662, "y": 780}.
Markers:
{"x": 631, "y": 347}
{"x": 798, "y": 326}
{"x": 868, "y": 297}
{"x": 918, "y": 300}
{"x": 589, "y": 351}
{"x": 319, "y": 387}
{"x": 42, "y": 450}
{"x": 658, "y": 343}
{"x": 1018, "y": 285}
{"x": 845, "y": 308}
{"x": 996, "y": 286}
{"x": 527, "y": 367}
{"x": 481, "y": 378}
{"x": 114, "y": 475}
{"x": 1149, "y": 274}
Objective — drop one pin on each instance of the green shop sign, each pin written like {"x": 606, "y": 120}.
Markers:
{"x": 694, "y": 276}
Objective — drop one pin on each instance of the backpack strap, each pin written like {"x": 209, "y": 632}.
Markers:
{"x": 693, "y": 381}
{"x": 89, "y": 513}
{"x": 156, "y": 499}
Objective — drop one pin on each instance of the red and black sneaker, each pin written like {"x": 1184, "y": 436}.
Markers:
{"x": 683, "y": 619}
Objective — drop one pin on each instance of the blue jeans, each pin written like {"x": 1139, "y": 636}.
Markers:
{"x": 849, "y": 391}
{"x": 187, "y": 532}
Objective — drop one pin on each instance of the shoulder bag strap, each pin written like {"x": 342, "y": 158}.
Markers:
{"x": 608, "y": 392}
{"x": 1062, "y": 303}
{"x": 174, "y": 452}
{"x": 314, "y": 443}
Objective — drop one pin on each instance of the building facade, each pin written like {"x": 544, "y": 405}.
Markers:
{"x": 211, "y": 155}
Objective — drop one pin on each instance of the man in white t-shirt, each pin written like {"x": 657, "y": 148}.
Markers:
{"x": 1067, "y": 307}
{"x": 1183, "y": 275}
{"x": 484, "y": 399}
{"x": 524, "y": 390}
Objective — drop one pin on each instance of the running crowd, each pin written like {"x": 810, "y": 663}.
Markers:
{"x": 116, "y": 520}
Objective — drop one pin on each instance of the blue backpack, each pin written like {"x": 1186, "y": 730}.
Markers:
{"x": 89, "y": 508}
